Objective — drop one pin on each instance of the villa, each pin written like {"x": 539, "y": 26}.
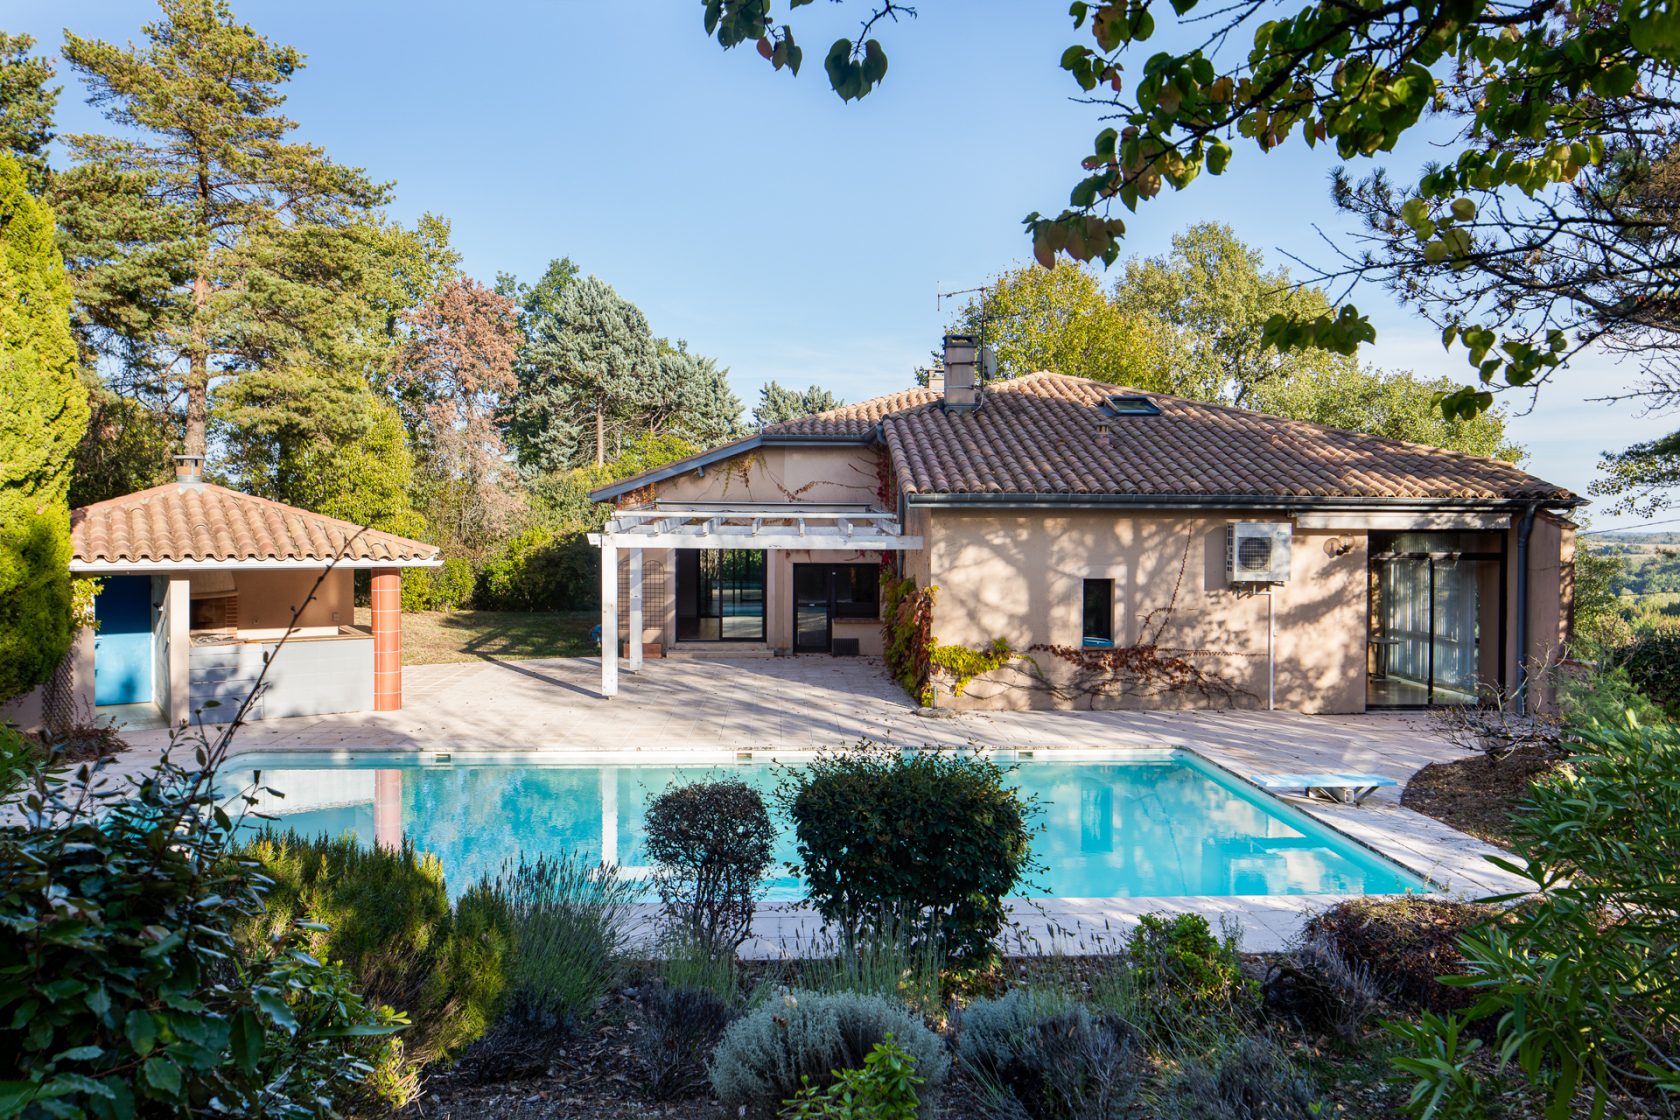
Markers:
{"x": 1130, "y": 549}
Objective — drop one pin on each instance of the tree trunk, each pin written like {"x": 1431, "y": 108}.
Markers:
{"x": 600, "y": 431}
{"x": 198, "y": 353}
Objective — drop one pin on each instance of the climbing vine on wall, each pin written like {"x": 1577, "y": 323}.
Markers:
{"x": 907, "y": 631}
{"x": 963, "y": 664}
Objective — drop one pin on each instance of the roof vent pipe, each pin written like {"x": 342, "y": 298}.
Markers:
{"x": 189, "y": 469}
{"x": 962, "y": 383}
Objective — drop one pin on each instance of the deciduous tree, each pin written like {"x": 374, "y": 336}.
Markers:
{"x": 44, "y": 415}
{"x": 453, "y": 382}
{"x": 1061, "y": 319}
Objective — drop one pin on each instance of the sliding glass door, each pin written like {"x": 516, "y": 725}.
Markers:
{"x": 1437, "y": 618}
{"x": 720, "y": 595}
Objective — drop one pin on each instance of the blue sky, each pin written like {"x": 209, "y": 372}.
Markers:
{"x": 794, "y": 237}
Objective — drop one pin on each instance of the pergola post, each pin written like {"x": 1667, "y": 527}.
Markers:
{"x": 387, "y": 639}
{"x": 609, "y": 619}
{"x": 635, "y": 635}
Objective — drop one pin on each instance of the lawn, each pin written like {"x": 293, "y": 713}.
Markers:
{"x": 438, "y": 637}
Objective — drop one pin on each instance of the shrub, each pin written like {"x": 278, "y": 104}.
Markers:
{"x": 568, "y": 923}
{"x": 684, "y": 963}
{"x": 1580, "y": 981}
{"x": 386, "y": 915}
{"x": 122, "y": 988}
{"x": 888, "y": 961}
{"x": 1605, "y": 698}
{"x": 884, "y": 1089}
{"x": 711, "y": 843}
{"x": 448, "y": 588}
{"x": 931, "y": 842}
{"x": 1178, "y": 957}
{"x": 1315, "y": 985}
{"x": 679, "y": 1029}
{"x": 767, "y": 1055}
{"x": 1249, "y": 1079}
{"x": 542, "y": 569}
{"x": 1407, "y": 942}
{"x": 1047, "y": 1060}
{"x": 1652, "y": 663}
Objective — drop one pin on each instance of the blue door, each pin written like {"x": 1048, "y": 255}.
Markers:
{"x": 122, "y": 647}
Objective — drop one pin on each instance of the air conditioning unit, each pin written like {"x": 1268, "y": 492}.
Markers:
{"x": 1257, "y": 551}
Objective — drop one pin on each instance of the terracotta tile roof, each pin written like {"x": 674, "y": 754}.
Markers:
{"x": 1038, "y": 434}
{"x": 207, "y": 523}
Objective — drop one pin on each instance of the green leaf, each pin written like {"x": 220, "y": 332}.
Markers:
{"x": 162, "y": 1075}
{"x": 79, "y": 1054}
{"x": 1218, "y": 157}
{"x": 246, "y": 1039}
{"x": 141, "y": 1031}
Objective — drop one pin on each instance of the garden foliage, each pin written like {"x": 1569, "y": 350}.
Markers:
{"x": 884, "y": 1089}
{"x": 43, "y": 418}
{"x": 928, "y": 843}
{"x": 541, "y": 568}
{"x": 680, "y": 1028}
{"x": 386, "y": 915}
{"x": 907, "y": 633}
{"x": 1315, "y": 985}
{"x": 1407, "y": 943}
{"x": 567, "y": 922}
{"x": 802, "y": 1038}
{"x": 1179, "y": 959}
{"x": 1652, "y": 662}
{"x": 711, "y": 843}
{"x": 1249, "y": 1078}
{"x": 1042, "y": 1058}
{"x": 1581, "y": 984}
{"x": 124, "y": 990}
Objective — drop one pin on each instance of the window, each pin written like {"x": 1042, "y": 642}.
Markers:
{"x": 857, "y": 591}
{"x": 1125, "y": 404}
{"x": 1099, "y": 613}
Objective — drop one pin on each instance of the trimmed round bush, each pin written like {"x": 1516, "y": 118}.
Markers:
{"x": 926, "y": 843}
{"x": 711, "y": 843}
{"x": 766, "y": 1055}
{"x": 1046, "y": 1059}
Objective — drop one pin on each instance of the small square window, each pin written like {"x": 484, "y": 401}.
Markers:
{"x": 1098, "y": 628}
{"x": 1128, "y": 404}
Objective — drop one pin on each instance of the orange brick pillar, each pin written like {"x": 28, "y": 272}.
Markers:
{"x": 387, "y": 639}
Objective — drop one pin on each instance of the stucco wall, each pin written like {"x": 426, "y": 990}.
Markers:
{"x": 815, "y": 475}
{"x": 1018, "y": 576}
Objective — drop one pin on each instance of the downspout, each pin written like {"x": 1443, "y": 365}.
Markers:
{"x": 1524, "y": 528}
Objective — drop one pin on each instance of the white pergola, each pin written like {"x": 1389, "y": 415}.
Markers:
{"x": 767, "y": 526}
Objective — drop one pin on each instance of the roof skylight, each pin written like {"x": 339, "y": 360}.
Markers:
{"x": 1130, "y": 404}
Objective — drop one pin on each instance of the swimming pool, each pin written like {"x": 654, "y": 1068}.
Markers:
{"x": 1146, "y": 824}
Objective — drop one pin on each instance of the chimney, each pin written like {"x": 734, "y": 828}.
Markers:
{"x": 962, "y": 386}
{"x": 936, "y": 380}
{"x": 189, "y": 470}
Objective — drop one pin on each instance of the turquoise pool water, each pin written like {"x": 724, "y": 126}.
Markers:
{"x": 1155, "y": 824}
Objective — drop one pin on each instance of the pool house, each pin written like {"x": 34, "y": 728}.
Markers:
{"x": 198, "y": 585}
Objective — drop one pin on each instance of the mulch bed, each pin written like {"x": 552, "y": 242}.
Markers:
{"x": 1477, "y": 795}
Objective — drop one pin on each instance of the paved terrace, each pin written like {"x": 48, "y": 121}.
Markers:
{"x": 807, "y": 703}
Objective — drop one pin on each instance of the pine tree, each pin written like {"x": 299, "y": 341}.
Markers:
{"x": 205, "y": 241}
{"x": 26, "y": 107}
{"x": 44, "y": 416}
{"x": 593, "y": 356}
